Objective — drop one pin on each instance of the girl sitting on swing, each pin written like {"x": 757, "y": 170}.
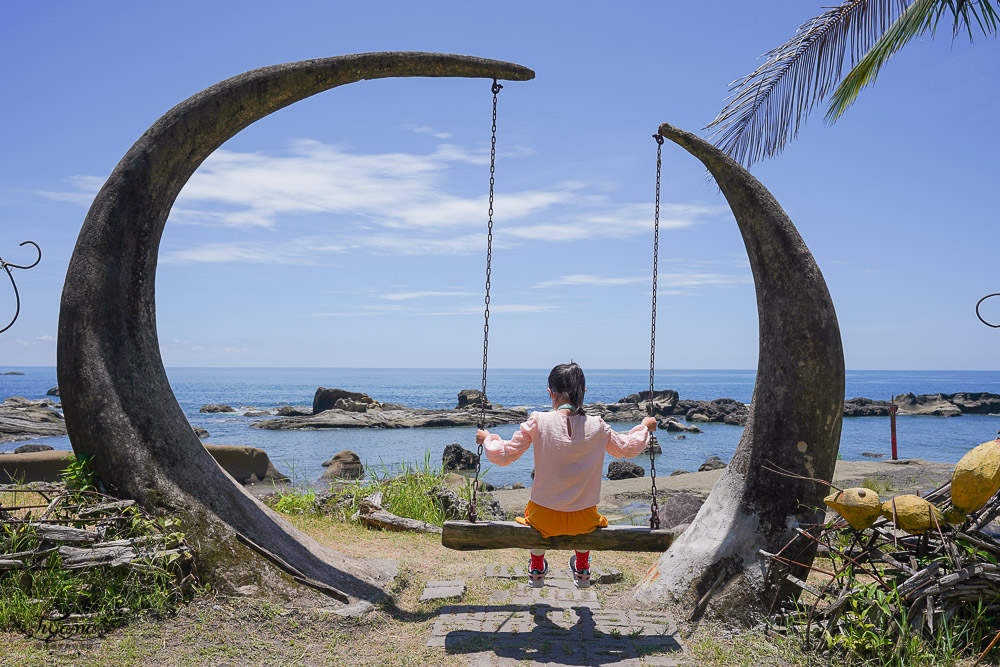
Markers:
{"x": 569, "y": 459}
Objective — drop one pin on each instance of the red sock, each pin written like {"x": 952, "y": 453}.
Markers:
{"x": 583, "y": 560}
{"x": 537, "y": 562}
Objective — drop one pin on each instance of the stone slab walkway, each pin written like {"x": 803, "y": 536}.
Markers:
{"x": 557, "y": 624}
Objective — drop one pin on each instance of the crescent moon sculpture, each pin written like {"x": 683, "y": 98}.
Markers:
{"x": 795, "y": 417}
{"x": 118, "y": 404}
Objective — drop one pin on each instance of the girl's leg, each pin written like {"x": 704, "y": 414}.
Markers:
{"x": 537, "y": 569}
{"x": 579, "y": 563}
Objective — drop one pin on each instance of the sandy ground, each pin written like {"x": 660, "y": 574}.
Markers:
{"x": 903, "y": 476}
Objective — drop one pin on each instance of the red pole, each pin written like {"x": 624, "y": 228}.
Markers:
{"x": 892, "y": 421}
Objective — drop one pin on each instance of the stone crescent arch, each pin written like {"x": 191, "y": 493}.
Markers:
{"x": 118, "y": 404}
{"x": 795, "y": 416}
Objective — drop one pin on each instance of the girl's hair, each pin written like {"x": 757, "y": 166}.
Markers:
{"x": 568, "y": 380}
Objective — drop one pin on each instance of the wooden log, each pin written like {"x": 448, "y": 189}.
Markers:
{"x": 7, "y": 564}
{"x": 466, "y": 536}
{"x": 105, "y": 508}
{"x": 56, "y": 533}
{"x": 389, "y": 521}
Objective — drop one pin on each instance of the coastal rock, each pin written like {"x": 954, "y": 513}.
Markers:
{"x": 624, "y": 470}
{"x": 12, "y": 373}
{"x": 866, "y": 407}
{"x": 873, "y": 455}
{"x": 653, "y": 445}
{"x": 673, "y": 426}
{"x": 247, "y": 465}
{"x": 616, "y": 412}
{"x": 33, "y": 447}
{"x": 408, "y": 418}
{"x": 679, "y": 508}
{"x": 979, "y": 403}
{"x": 680, "y": 437}
{"x": 292, "y": 411}
{"x": 472, "y": 398}
{"x": 344, "y": 465}
{"x": 52, "y": 392}
{"x": 456, "y": 457}
{"x": 200, "y": 432}
{"x": 23, "y": 419}
{"x": 326, "y": 399}
{"x": 936, "y": 405}
{"x": 724, "y": 410}
{"x": 679, "y": 472}
{"x": 711, "y": 463}
{"x": 216, "y": 407}
{"x": 258, "y": 413}
{"x": 664, "y": 401}
{"x": 454, "y": 507}
{"x": 348, "y": 405}
{"x": 517, "y": 485}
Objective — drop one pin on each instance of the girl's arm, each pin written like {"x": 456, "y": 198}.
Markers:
{"x": 627, "y": 445}
{"x": 504, "y": 452}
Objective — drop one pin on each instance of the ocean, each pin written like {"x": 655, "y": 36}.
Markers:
{"x": 301, "y": 453}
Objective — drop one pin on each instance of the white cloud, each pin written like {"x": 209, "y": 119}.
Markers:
{"x": 675, "y": 282}
{"x": 395, "y": 204}
{"x": 404, "y": 296}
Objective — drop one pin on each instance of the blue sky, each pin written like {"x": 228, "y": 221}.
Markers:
{"x": 349, "y": 229}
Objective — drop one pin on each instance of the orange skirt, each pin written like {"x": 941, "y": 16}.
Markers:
{"x": 551, "y": 522}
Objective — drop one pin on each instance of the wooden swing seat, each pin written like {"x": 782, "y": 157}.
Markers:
{"x": 467, "y": 536}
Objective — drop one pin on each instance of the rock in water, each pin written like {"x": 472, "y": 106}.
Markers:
{"x": 28, "y": 449}
{"x": 624, "y": 470}
{"x": 711, "y": 463}
{"x": 977, "y": 477}
{"x": 664, "y": 401}
{"x": 200, "y": 432}
{"x": 52, "y": 392}
{"x": 456, "y": 457}
{"x": 472, "y": 398}
{"x": 344, "y": 465}
{"x": 216, "y": 407}
{"x": 326, "y": 399}
{"x": 912, "y": 513}
{"x": 859, "y": 507}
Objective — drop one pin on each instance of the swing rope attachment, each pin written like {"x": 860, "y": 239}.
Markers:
{"x": 486, "y": 312}
{"x": 654, "y": 508}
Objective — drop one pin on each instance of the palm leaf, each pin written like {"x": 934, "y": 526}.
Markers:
{"x": 921, "y": 16}
{"x": 766, "y": 108}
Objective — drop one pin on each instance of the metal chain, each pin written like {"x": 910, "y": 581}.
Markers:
{"x": 486, "y": 312}
{"x": 7, "y": 266}
{"x": 654, "y": 509}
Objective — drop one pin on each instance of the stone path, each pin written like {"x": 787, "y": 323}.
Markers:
{"x": 557, "y": 624}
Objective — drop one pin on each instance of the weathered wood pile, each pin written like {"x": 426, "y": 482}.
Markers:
{"x": 49, "y": 526}
{"x": 908, "y": 582}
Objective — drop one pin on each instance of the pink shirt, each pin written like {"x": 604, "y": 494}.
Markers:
{"x": 567, "y": 467}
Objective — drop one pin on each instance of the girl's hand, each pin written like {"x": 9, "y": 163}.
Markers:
{"x": 649, "y": 423}
{"x": 481, "y": 436}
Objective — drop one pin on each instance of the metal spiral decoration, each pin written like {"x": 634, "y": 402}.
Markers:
{"x": 7, "y": 266}
{"x": 981, "y": 319}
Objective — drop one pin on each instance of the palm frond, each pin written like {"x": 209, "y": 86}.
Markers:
{"x": 767, "y": 107}
{"x": 918, "y": 18}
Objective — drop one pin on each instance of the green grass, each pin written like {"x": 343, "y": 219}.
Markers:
{"x": 879, "y": 485}
{"x": 407, "y": 494}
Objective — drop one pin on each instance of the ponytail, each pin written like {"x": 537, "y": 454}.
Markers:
{"x": 568, "y": 380}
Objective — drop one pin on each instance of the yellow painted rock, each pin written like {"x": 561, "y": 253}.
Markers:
{"x": 860, "y": 507}
{"x": 955, "y": 515}
{"x": 913, "y": 513}
{"x": 976, "y": 477}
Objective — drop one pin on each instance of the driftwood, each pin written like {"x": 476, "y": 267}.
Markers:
{"x": 371, "y": 514}
{"x": 932, "y": 577}
{"x": 466, "y": 536}
{"x": 102, "y": 544}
